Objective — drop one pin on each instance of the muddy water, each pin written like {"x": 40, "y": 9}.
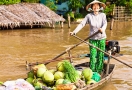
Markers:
{"x": 38, "y": 45}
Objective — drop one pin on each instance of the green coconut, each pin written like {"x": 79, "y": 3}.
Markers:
{"x": 52, "y": 70}
{"x": 58, "y": 75}
{"x": 30, "y": 80}
{"x": 91, "y": 81}
{"x": 60, "y": 66}
{"x": 48, "y": 77}
{"x": 87, "y": 73}
{"x": 79, "y": 73}
{"x": 42, "y": 65}
{"x": 30, "y": 74}
{"x": 59, "y": 81}
{"x": 40, "y": 72}
{"x": 1, "y": 83}
{"x": 38, "y": 82}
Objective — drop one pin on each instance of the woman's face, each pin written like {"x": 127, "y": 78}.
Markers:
{"x": 96, "y": 7}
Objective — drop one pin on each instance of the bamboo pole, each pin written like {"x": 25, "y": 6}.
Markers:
{"x": 112, "y": 19}
{"x": 53, "y": 25}
{"x": 112, "y": 22}
{"x": 62, "y": 22}
{"x": 69, "y": 21}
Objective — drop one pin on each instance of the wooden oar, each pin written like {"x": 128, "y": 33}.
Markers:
{"x": 55, "y": 58}
{"x": 70, "y": 48}
{"x": 102, "y": 51}
{"x": 48, "y": 61}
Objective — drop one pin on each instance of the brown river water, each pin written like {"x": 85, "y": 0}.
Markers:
{"x": 40, "y": 44}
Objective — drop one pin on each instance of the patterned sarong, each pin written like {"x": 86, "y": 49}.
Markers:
{"x": 96, "y": 56}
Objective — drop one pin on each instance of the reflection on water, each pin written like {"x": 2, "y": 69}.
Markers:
{"x": 37, "y": 45}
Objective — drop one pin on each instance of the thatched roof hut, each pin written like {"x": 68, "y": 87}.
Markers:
{"x": 27, "y": 14}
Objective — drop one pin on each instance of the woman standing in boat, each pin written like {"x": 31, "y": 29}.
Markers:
{"x": 97, "y": 21}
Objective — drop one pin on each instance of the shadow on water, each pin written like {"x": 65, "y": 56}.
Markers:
{"x": 41, "y": 44}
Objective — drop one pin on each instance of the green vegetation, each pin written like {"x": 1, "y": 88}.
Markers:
{"x": 108, "y": 11}
{"x": 7, "y": 2}
{"x": 78, "y": 15}
{"x": 70, "y": 72}
{"x": 31, "y": 1}
{"x": 75, "y": 4}
{"x": 51, "y": 5}
{"x": 127, "y": 3}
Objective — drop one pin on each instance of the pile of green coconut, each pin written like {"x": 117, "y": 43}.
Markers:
{"x": 63, "y": 77}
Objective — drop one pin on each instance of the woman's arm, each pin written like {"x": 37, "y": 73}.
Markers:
{"x": 81, "y": 25}
{"x": 104, "y": 23}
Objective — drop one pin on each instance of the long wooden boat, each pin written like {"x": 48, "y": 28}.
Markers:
{"x": 106, "y": 77}
{"x": 104, "y": 80}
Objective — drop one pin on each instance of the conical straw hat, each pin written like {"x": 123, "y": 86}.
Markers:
{"x": 93, "y": 2}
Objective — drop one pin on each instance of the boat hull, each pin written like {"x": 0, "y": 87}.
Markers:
{"x": 105, "y": 78}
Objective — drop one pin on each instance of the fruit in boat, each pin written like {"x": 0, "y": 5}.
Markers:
{"x": 58, "y": 75}
{"x": 60, "y": 66}
{"x": 59, "y": 81}
{"x": 66, "y": 81}
{"x": 40, "y": 72}
{"x": 30, "y": 74}
{"x": 30, "y": 80}
{"x": 35, "y": 68}
{"x": 42, "y": 65}
{"x": 79, "y": 73}
{"x": 91, "y": 81}
{"x": 52, "y": 71}
{"x": 38, "y": 82}
{"x": 87, "y": 73}
{"x": 1, "y": 83}
{"x": 48, "y": 77}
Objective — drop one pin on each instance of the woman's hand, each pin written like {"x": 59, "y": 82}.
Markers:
{"x": 100, "y": 29}
{"x": 72, "y": 33}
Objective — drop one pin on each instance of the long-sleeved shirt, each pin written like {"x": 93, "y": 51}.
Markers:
{"x": 95, "y": 22}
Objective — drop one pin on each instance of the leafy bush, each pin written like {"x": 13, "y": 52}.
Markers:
{"x": 31, "y": 1}
{"x": 129, "y": 5}
{"x": 109, "y": 11}
{"x": 78, "y": 15}
{"x": 7, "y": 2}
{"x": 51, "y": 5}
{"x": 74, "y": 4}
